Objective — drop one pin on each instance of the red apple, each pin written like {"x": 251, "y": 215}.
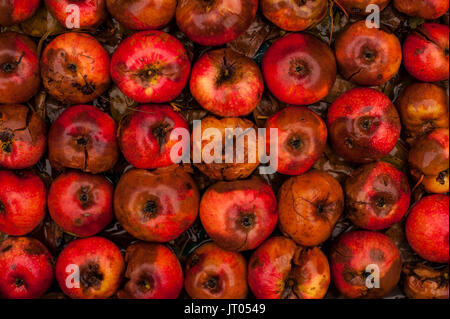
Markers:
{"x": 364, "y": 125}
{"x": 151, "y": 67}
{"x": 358, "y": 7}
{"x": 19, "y": 68}
{"x": 145, "y": 135}
{"x": 227, "y": 83}
{"x": 281, "y": 269}
{"x": 23, "y": 199}
{"x": 425, "y": 9}
{"x": 26, "y": 268}
{"x": 91, "y": 12}
{"x": 83, "y": 137}
{"x": 356, "y": 256}
{"x": 142, "y": 14}
{"x": 16, "y": 11}
{"x": 23, "y": 137}
{"x": 80, "y": 203}
{"x": 75, "y": 68}
{"x": 299, "y": 69}
{"x": 153, "y": 272}
{"x": 427, "y": 228}
{"x": 90, "y": 268}
{"x": 215, "y": 22}
{"x": 214, "y": 273}
{"x": 425, "y": 52}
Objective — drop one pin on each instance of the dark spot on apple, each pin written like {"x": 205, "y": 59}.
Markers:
{"x": 248, "y": 220}
{"x": 145, "y": 284}
{"x": 160, "y": 132}
{"x": 195, "y": 259}
{"x": 150, "y": 209}
{"x": 256, "y": 263}
{"x": 442, "y": 176}
{"x": 7, "y": 248}
{"x": 8, "y": 67}
{"x": 91, "y": 276}
{"x": 82, "y": 141}
{"x": 349, "y": 142}
{"x": 376, "y": 255}
{"x": 72, "y": 67}
{"x": 19, "y": 282}
{"x": 380, "y": 202}
{"x": 212, "y": 284}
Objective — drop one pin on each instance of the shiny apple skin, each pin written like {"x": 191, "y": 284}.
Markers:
{"x": 101, "y": 267}
{"x": 92, "y": 12}
{"x": 80, "y": 203}
{"x": 279, "y": 269}
{"x": 142, "y": 14}
{"x": 83, "y": 137}
{"x": 214, "y": 273}
{"x": 356, "y": 250}
{"x": 151, "y": 67}
{"x": 425, "y": 9}
{"x": 425, "y": 52}
{"x": 19, "y": 68}
{"x": 309, "y": 207}
{"x": 75, "y": 68}
{"x": 156, "y": 206}
{"x": 26, "y": 268}
{"x": 364, "y": 125}
{"x": 227, "y": 83}
{"x": 302, "y": 136}
{"x": 239, "y": 215}
{"x": 23, "y": 199}
{"x": 357, "y": 8}
{"x": 427, "y": 228}
{"x": 145, "y": 135}
{"x": 368, "y": 56}
{"x": 23, "y": 137}
{"x": 377, "y": 195}
{"x": 16, "y": 11}
{"x": 215, "y": 22}
{"x": 292, "y": 15}
{"x": 299, "y": 69}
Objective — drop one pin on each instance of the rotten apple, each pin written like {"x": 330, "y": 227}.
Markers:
{"x": 423, "y": 282}
{"x": 364, "y": 125}
{"x": 425, "y": 9}
{"x": 89, "y": 13}
{"x": 227, "y": 83}
{"x": 358, "y": 8}
{"x": 23, "y": 137}
{"x": 16, "y": 11}
{"x": 309, "y": 207}
{"x": 299, "y": 69}
{"x": 214, "y": 273}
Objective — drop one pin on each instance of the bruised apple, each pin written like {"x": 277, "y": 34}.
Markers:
{"x": 91, "y": 12}
{"x": 423, "y": 282}
{"x": 16, "y": 11}
{"x": 425, "y": 9}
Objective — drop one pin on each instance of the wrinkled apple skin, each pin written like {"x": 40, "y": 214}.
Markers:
{"x": 356, "y": 250}
{"x": 368, "y": 56}
{"x": 92, "y": 12}
{"x": 16, "y": 11}
{"x": 101, "y": 267}
{"x": 423, "y": 282}
{"x": 377, "y": 195}
{"x": 363, "y": 124}
{"x": 239, "y": 215}
{"x": 309, "y": 207}
{"x": 425, "y": 9}
{"x": 427, "y": 228}
{"x": 214, "y": 273}
{"x": 153, "y": 272}
{"x": 23, "y": 137}
{"x": 26, "y": 268}
{"x": 23, "y": 198}
{"x": 281, "y": 269}
{"x": 357, "y": 8}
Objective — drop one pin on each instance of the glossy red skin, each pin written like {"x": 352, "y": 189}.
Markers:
{"x": 368, "y": 56}
{"x": 23, "y": 198}
{"x": 226, "y": 206}
{"x": 297, "y": 123}
{"x": 353, "y": 252}
{"x": 139, "y": 141}
{"x": 174, "y": 200}
{"x": 93, "y": 255}
{"x": 25, "y": 261}
{"x": 226, "y": 83}
{"x": 142, "y": 14}
{"x": 377, "y": 196}
{"x": 23, "y": 137}
{"x": 78, "y": 216}
{"x": 427, "y": 228}
{"x": 300, "y": 87}
{"x": 153, "y": 272}
{"x": 92, "y": 12}
{"x": 425, "y": 9}
{"x": 151, "y": 67}
{"x": 358, "y": 7}
{"x": 350, "y": 137}
{"x": 90, "y": 124}
{"x": 19, "y": 68}
{"x": 279, "y": 263}
{"x": 227, "y": 269}
{"x": 424, "y": 52}
{"x": 75, "y": 68}
{"x": 16, "y": 11}
{"x": 215, "y": 22}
